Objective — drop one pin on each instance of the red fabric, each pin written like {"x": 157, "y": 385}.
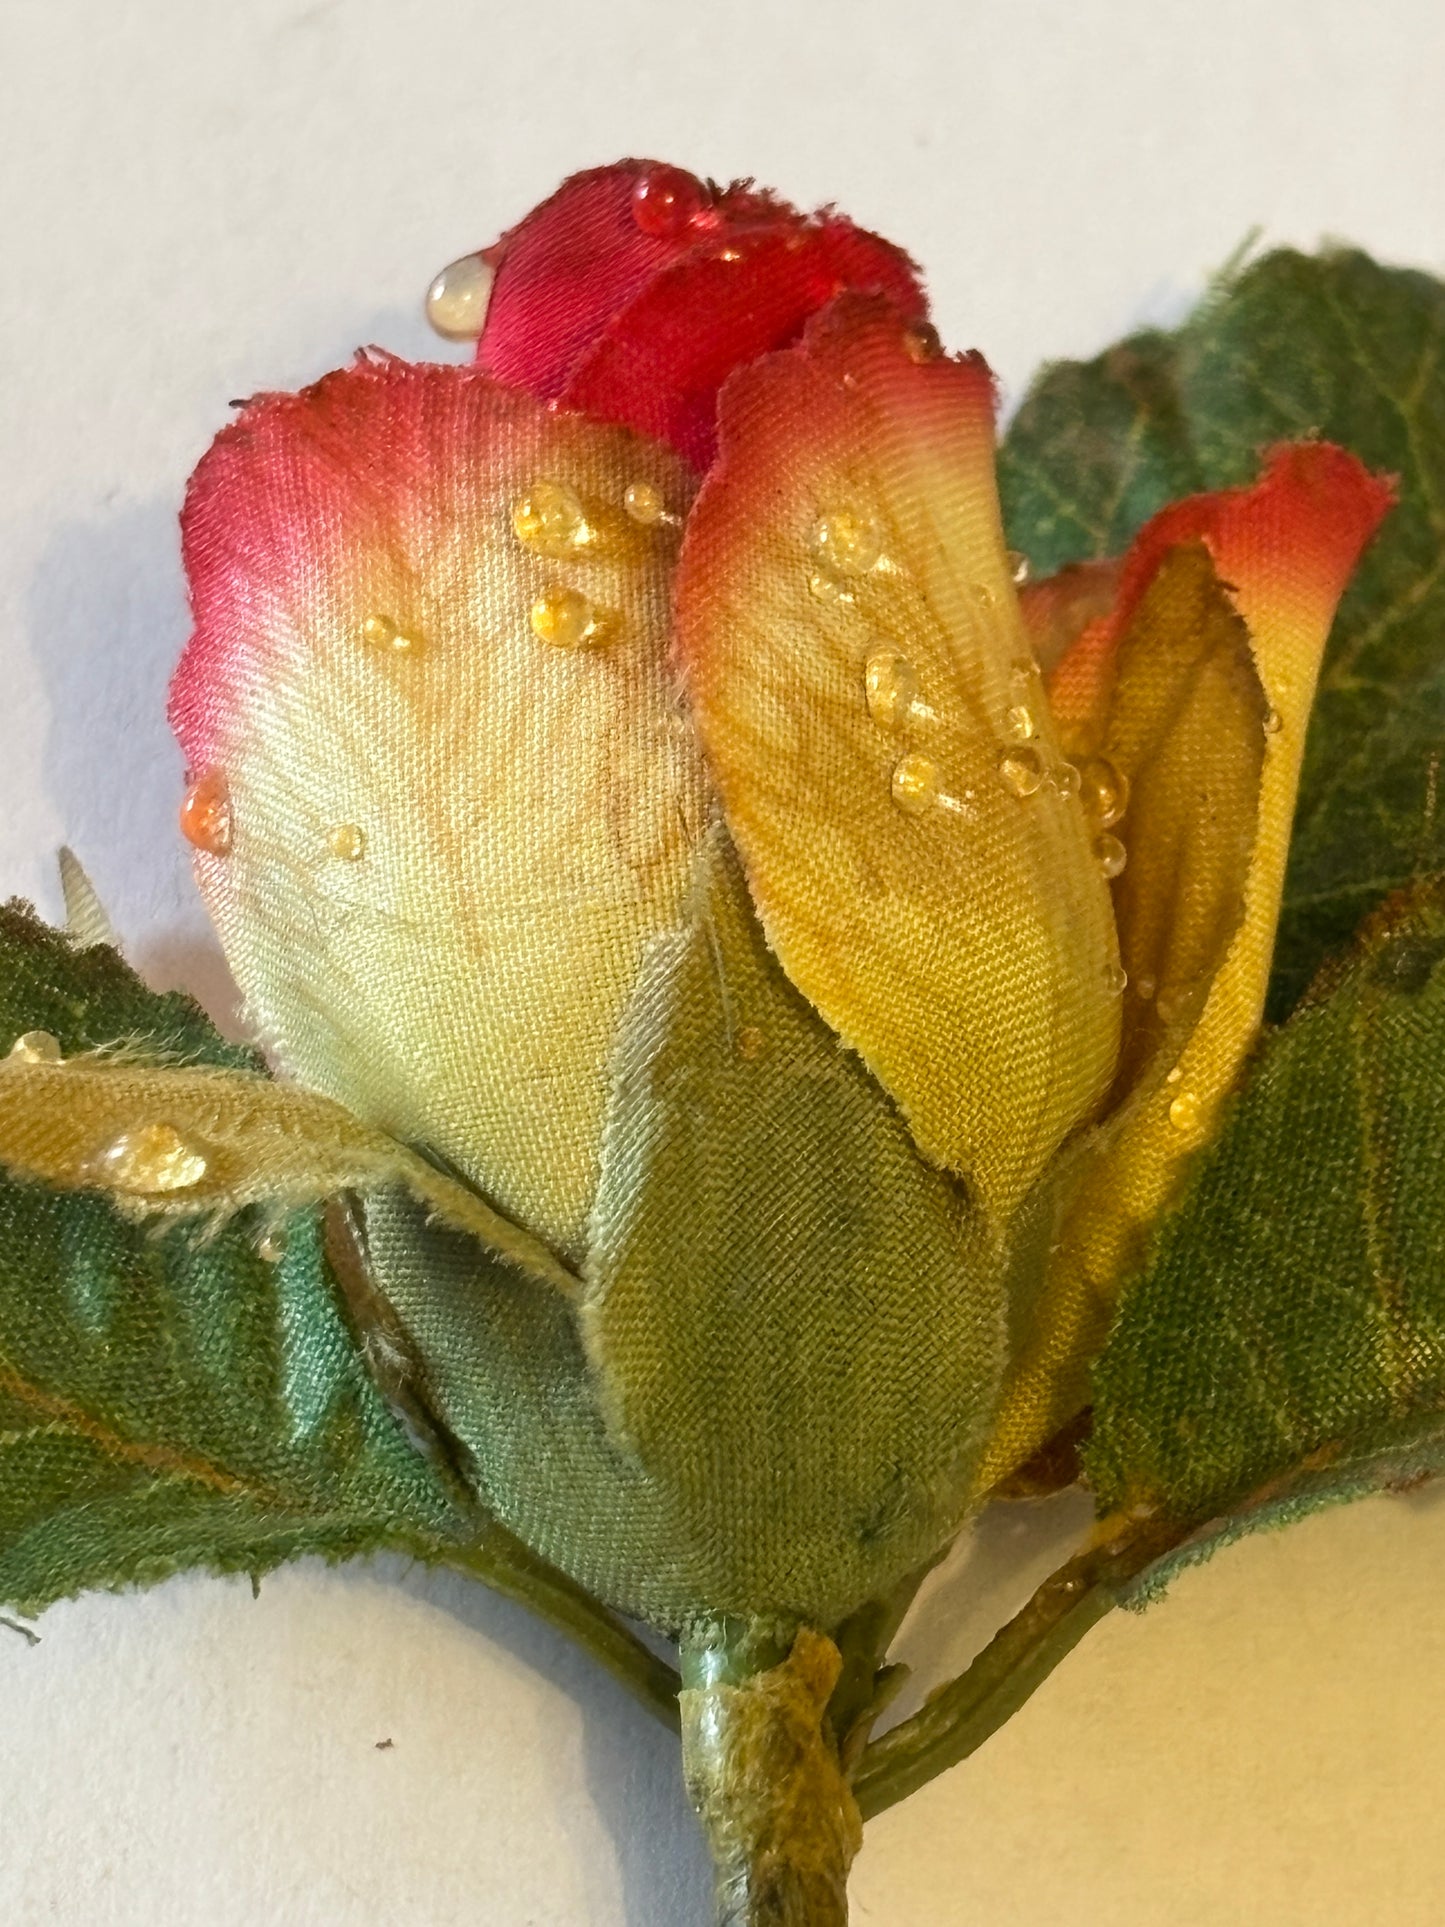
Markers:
{"x": 325, "y": 493}
{"x": 1296, "y": 533}
{"x": 635, "y": 290}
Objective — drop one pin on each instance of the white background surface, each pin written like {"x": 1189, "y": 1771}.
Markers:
{"x": 201, "y": 200}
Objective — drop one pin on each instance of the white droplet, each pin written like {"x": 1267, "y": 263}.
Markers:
{"x": 347, "y": 841}
{"x": 1173, "y": 1000}
{"x": 567, "y": 619}
{"x": 456, "y": 301}
{"x": 380, "y": 632}
{"x": 825, "y": 587}
{"x": 1110, "y": 855}
{"x": 915, "y": 784}
{"x": 646, "y": 504}
{"x": 847, "y": 541}
{"x": 150, "y": 1161}
{"x": 1021, "y": 770}
{"x": 1105, "y": 790}
{"x": 36, "y": 1047}
{"x": 890, "y": 685}
{"x": 550, "y": 518}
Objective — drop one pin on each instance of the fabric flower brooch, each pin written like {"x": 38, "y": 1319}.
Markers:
{"x": 759, "y": 956}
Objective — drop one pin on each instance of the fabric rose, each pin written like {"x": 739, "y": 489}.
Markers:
{"x": 709, "y": 534}
{"x": 745, "y": 970}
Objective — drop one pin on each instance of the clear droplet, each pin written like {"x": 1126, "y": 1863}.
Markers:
{"x": 921, "y": 342}
{"x": 1022, "y": 770}
{"x": 206, "y": 814}
{"x": 347, "y": 841}
{"x": 1174, "y": 1075}
{"x": 380, "y": 632}
{"x": 1146, "y": 987}
{"x": 456, "y": 301}
{"x": 645, "y": 503}
{"x": 983, "y": 595}
{"x": 1172, "y": 1001}
{"x": 551, "y": 519}
{"x": 825, "y": 587}
{"x": 1105, "y": 791}
{"x": 1184, "y": 1111}
{"x": 891, "y": 687}
{"x": 1116, "y": 979}
{"x": 1066, "y": 779}
{"x": 151, "y": 1160}
{"x": 666, "y": 201}
{"x": 915, "y": 784}
{"x": 271, "y": 1245}
{"x": 847, "y": 541}
{"x": 566, "y": 618}
{"x": 1110, "y": 855}
{"x": 36, "y": 1047}
{"x": 1273, "y": 723}
{"x": 750, "y": 1042}
{"x": 1018, "y": 723}
{"x": 1018, "y": 564}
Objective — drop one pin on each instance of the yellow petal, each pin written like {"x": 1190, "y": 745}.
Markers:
{"x": 442, "y": 797}
{"x": 1177, "y": 784}
{"x": 1207, "y": 833}
{"x": 864, "y": 690}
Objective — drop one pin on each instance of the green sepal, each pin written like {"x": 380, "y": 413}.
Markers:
{"x": 795, "y": 1323}
{"x": 1294, "y": 346}
{"x": 1289, "y": 1330}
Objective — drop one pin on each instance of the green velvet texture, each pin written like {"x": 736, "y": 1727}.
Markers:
{"x": 1292, "y": 1319}
{"x": 176, "y": 1400}
{"x": 1295, "y": 345}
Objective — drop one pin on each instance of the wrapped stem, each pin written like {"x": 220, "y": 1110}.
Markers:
{"x": 763, "y": 1772}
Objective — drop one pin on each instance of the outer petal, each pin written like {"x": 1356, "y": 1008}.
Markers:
{"x": 1284, "y": 550}
{"x": 861, "y": 680}
{"x": 599, "y": 304}
{"x": 448, "y": 840}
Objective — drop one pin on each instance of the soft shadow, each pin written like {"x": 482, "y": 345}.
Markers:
{"x": 108, "y": 619}
{"x": 989, "y": 1576}
{"x": 632, "y": 1764}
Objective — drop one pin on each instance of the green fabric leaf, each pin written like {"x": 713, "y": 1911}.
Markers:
{"x": 1296, "y": 345}
{"x": 1291, "y": 1322}
{"x": 173, "y": 1401}
{"x": 89, "y": 998}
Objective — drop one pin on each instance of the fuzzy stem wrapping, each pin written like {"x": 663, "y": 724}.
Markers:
{"x": 763, "y": 1773}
